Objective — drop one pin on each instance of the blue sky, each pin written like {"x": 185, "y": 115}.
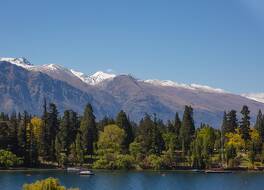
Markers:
{"x": 211, "y": 42}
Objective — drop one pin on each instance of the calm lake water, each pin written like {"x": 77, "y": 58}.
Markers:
{"x": 116, "y": 180}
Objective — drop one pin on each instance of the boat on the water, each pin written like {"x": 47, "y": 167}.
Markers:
{"x": 86, "y": 172}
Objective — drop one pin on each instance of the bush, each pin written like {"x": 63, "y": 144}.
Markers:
{"x": 124, "y": 162}
{"x": 46, "y": 184}
{"x": 101, "y": 164}
{"x": 155, "y": 162}
{"x": 118, "y": 162}
{"x": 8, "y": 159}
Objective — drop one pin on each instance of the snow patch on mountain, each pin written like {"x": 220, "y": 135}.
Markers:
{"x": 94, "y": 79}
{"x": 21, "y": 62}
{"x": 169, "y": 83}
{"x": 100, "y": 76}
{"x": 259, "y": 97}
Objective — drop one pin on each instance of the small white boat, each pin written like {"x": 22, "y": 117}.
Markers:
{"x": 86, "y": 172}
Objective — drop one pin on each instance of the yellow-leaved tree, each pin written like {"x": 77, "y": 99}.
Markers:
{"x": 46, "y": 184}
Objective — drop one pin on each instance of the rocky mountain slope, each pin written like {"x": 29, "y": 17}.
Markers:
{"x": 23, "y": 86}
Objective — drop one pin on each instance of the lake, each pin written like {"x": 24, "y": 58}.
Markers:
{"x": 132, "y": 180}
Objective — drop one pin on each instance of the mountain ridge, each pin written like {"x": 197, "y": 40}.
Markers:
{"x": 115, "y": 92}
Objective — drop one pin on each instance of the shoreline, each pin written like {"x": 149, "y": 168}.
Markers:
{"x": 133, "y": 170}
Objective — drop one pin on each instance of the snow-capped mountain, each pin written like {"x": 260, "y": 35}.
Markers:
{"x": 21, "y": 62}
{"x": 169, "y": 83}
{"x": 94, "y": 79}
{"x": 24, "y": 89}
{"x": 259, "y": 97}
{"x": 62, "y": 73}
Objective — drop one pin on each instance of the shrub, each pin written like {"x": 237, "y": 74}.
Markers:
{"x": 8, "y": 159}
{"x": 124, "y": 161}
{"x": 46, "y": 184}
{"x": 155, "y": 162}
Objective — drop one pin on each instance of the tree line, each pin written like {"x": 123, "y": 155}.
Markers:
{"x": 80, "y": 140}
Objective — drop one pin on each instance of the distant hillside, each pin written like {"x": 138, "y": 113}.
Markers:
{"x": 23, "y": 86}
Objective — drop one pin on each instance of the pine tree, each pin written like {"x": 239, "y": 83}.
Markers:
{"x": 58, "y": 151}
{"x": 177, "y": 124}
{"x": 245, "y": 123}
{"x": 64, "y": 131}
{"x": 170, "y": 127}
{"x": 67, "y": 130}
{"x": 150, "y": 136}
{"x": 260, "y": 125}
{"x": 21, "y": 136}
{"x": 31, "y": 146}
{"x": 224, "y": 126}
{"x": 43, "y": 144}
{"x": 13, "y": 125}
{"x": 88, "y": 130}
{"x": 104, "y": 122}
{"x": 187, "y": 129}
{"x": 123, "y": 122}
{"x": 51, "y": 130}
{"x": 79, "y": 149}
{"x": 232, "y": 122}
{"x": 5, "y": 140}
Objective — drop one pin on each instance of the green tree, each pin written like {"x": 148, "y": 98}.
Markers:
{"x": 224, "y": 126}
{"x": 231, "y": 153}
{"x": 203, "y": 146}
{"x": 22, "y": 136}
{"x": 135, "y": 149}
{"x": 260, "y": 125}
{"x": 150, "y": 136}
{"x": 123, "y": 122}
{"x": 79, "y": 149}
{"x": 232, "y": 122}
{"x": 245, "y": 123}
{"x": 65, "y": 131}
{"x": 187, "y": 129}
{"x": 52, "y": 127}
{"x": 5, "y": 140}
{"x": 88, "y": 130}
{"x": 109, "y": 147}
{"x": 31, "y": 146}
{"x": 177, "y": 124}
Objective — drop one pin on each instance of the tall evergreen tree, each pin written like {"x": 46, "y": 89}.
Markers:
{"x": 177, "y": 124}
{"x": 31, "y": 158}
{"x": 79, "y": 149}
{"x": 43, "y": 144}
{"x": 150, "y": 136}
{"x": 232, "y": 122}
{"x": 67, "y": 130}
{"x": 224, "y": 126}
{"x": 104, "y": 122}
{"x": 21, "y": 135}
{"x": 51, "y": 130}
{"x": 245, "y": 123}
{"x": 187, "y": 129}
{"x": 260, "y": 125}
{"x": 5, "y": 140}
{"x": 88, "y": 130}
{"x": 170, "y": 127}
{"x": 13, "y": 125}
{"x": 123, "y": 122}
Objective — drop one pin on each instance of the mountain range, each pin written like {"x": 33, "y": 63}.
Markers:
{"x": 23, "y": 86}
